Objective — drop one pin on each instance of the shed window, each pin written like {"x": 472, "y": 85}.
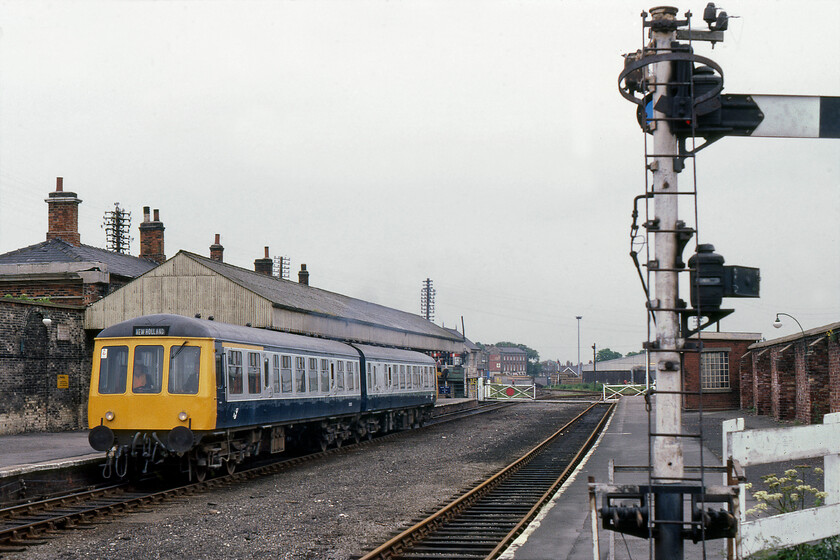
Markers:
{"x": 235, "y": 372}
{"x": 147, "y": 376}
{"x": 184, "y": 362}
{"x": 113, "y": 369}
{"x": 714, "y": 370}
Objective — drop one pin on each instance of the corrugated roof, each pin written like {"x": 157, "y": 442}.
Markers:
{"x": 309, "y": 299}
{"x": 57, "y": 250}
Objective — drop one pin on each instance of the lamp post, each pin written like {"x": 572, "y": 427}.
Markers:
{"x": 580, "y": 373}
{"x": 778, "y": 323}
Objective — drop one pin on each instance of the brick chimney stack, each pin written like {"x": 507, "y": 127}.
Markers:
{"x": 63, "y": 214}
{"x": 216, "y": 250}
{"x": 265, "y": 265}
{"x": 303, "y": 275}
{"x": 151, "y": 237}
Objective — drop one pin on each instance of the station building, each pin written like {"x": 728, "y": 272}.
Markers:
{"x": 58, "y": 294}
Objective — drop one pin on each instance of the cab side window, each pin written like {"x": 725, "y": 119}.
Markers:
{"x": 184, "y": 363}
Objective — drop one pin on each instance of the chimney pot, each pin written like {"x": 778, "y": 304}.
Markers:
{"x": 266, "y": 252}
{"x": 59, "y": 184}
{"x": 157, "y": 214}
{"x": 265, "y": 265}
{"x": 151, "y": 238}
{"x": 216, "y": 250}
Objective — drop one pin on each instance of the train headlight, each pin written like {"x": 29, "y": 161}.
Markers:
{"x": 182, "y": 416}
{"x": 109, "y": 416}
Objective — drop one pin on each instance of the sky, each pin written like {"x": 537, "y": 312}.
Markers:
{"x": 482, "y": 144}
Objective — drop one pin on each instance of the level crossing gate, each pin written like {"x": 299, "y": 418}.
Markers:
{"x": 506, "y": 391}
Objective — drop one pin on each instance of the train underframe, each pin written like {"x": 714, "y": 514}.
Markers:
{"x": 141, "y": 453}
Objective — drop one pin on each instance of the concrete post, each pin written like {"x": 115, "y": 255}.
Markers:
{"x": 667, "y": 450}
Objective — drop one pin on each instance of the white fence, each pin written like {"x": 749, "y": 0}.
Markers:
{"x": 612, "y": 393}
{"x": 505, "y": 392}
{"x": 755, "y": 447}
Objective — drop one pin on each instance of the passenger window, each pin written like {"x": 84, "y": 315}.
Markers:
{"x": 235, "y": 372}
{"x": 389, "y": 380}
{"x": 113, "y": 369}
{"x": 275, "y": 374}
{"x": 350, "y": 384}
{"x": 339, "y": 379}
{"x": 369, "y": 377}
{"x": 254, "y": 373}
{"x": 416, "y": 377}
{"x": 325, "y": 376}
{"x": 313, "y": 375}
{"x": 147, "y": 370}
{"x": 184, "y": 364}
{"x": 402, "y": 377}
{"x": 286, "y": 373}
{"x": 300, "y": 375}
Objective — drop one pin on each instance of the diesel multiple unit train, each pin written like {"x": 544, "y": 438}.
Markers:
{"x": 206, "y": 395}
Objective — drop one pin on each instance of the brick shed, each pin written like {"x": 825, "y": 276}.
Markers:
{"x": 795, "y": 377}
{"x": 715, "y": 369}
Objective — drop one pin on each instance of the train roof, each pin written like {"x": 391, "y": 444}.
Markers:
{"x": 383, "y": 354}
{"x": 181, "y": 326}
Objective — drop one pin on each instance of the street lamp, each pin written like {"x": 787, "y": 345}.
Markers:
{"x": 778, "y": 322}
{"x": 580, "y": 373}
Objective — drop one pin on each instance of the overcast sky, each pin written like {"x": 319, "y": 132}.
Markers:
{"x": 482, "y": 144}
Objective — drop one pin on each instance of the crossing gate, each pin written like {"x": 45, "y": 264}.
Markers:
{"x": 506, "y": 392}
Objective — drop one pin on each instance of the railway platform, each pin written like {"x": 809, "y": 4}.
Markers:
{"x": 564, "y": 528}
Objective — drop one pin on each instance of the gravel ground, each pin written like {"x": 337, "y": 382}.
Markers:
{"x": 331, "y": 508}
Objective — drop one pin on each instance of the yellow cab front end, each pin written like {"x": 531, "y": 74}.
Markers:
{"x": 151, "y": 389}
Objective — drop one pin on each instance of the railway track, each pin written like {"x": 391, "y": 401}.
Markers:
{"x": 33, "y": 523}
{"x": 483, "y": 522}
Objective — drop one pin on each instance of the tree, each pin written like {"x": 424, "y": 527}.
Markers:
{"x": 605, "y": 354}
{"x": 634, "y": 353}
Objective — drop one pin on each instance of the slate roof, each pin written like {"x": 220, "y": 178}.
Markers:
{"x": 58, "y": 251}
{"x": 286, "y": 294}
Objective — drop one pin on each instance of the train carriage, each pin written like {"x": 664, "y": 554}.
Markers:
{"x": 207, "y": 394}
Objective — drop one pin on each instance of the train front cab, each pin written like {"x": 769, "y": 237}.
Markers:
{"x": 151, "y": 392}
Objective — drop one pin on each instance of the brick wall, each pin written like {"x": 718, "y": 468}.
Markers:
{"x": 745, "y": 377}
{"x": 761, "y": 381}
{"x": 33, "y": 362}
{"x": 783, "y": 382}
{"x": 715, "y": 399}
{"x": 798, "y": 376}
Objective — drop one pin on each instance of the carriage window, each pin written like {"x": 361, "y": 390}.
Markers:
{"x": 113, "y": 368}
{"x": 339, "y": 379}
{"x": 286, "y": 373}
{"x": 275, "y": 374}
{"x": 417, "y": 376}
{"x": 325, "y": 376}
{"x": 402, "y": 377}
{"x": 350, "y": 384}
{"x": 389, "y": 379}
{"x": 313, "y": 375}
{"x": 235, "y": 372}
{"x": 300, "y": 375}
{"x": 147, "y": 370}
{"x": 184, "y": 362}
{"x": 375, "y": 384}
{"x": 369, "y": 379}
{"x": 254, "y": 373}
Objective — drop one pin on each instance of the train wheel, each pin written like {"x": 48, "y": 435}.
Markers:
{"x": 199, "y": 472}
